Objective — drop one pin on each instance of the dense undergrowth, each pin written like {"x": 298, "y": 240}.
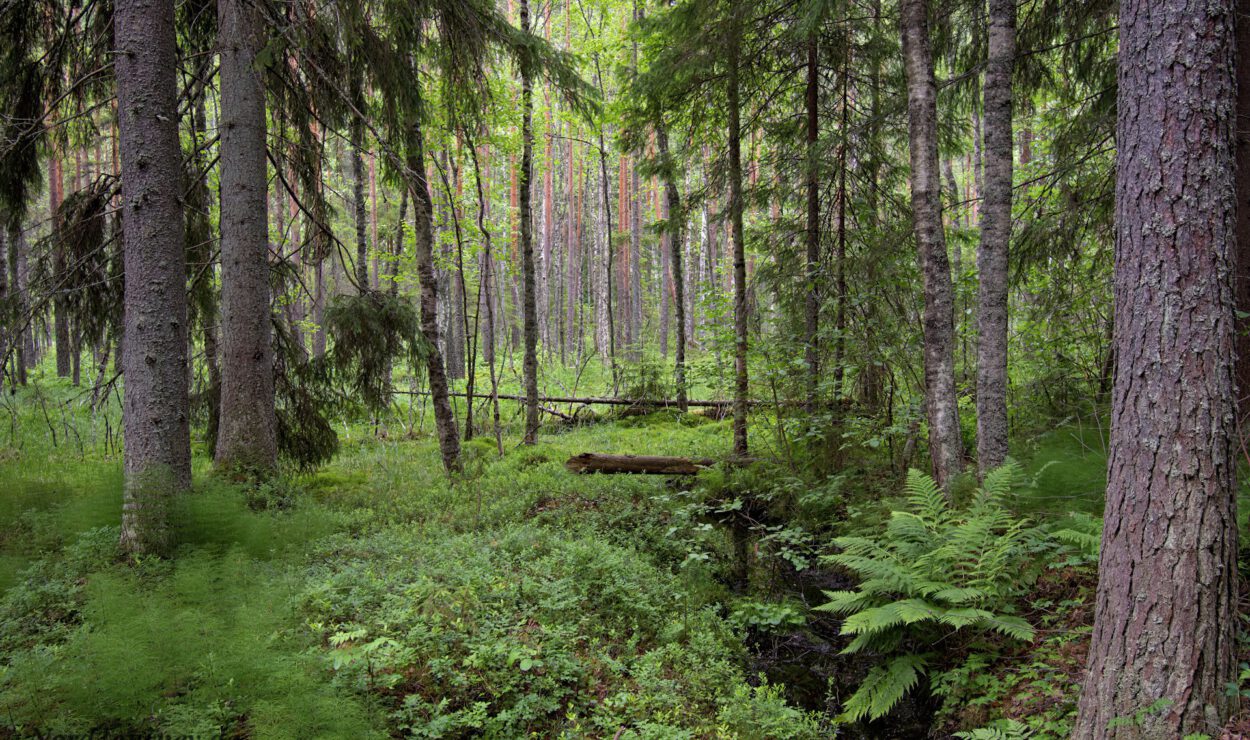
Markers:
{"x": 375, "y": 598}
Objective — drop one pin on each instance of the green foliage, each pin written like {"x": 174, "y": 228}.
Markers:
{"x": 370, "y": 332}
{"x": 933, "y": 570}
{"x": 190, "y": 649}
{"x": 1084, "y": 533}
{"x": 519, "y": 634}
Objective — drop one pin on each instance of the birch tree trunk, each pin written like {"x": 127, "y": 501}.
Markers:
{"x": 423, "y": 256}
{"x": 945, "y": 445}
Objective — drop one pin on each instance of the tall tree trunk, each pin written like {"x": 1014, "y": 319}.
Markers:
{"x": 811, "y": 298}
{"x": 247, "y": 429}
{"x": 995, "y": 238}
{"x": 7, "y": 323}
{"x": 676, "y": 222}
{"x": 423, "y": 213}
{"x": 945, "y": 445}
{"x": 530, "y": 365}
{"x": 741, "y": 385}
{"x": 56, "y": 195}
{"x": 155, "y": 408}
{"x": 607, "y": 215}
{"x": 19, "y": 278}
{"x": 573, "y": 263}
{"x": 358, "y": 181}
{"x": 483, "y": 205}
{"x": 1165, "y": 619}
{"x": 839, "y": 319}
{"x": 373, "y": 220}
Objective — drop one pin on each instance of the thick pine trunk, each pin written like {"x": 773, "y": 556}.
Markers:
{"x": 529, "y": 366}
{"x": 741, "y": 386}
{"x": 1165, "y": 619}
{"x": 995, "y": 238}
{"x": 155, "y": 406}
{"x": 945, "y": 445}
{"x": 247, "y": 429}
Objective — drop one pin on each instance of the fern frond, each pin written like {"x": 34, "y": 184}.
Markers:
{"x": 843, "y": 602}
{"x": 963, "y": 617}
{"x": 884, "y": 686}
{"x": 925, "y": 498}
{"x": 1013, "y": 627}
{"x": 998, "y": 484}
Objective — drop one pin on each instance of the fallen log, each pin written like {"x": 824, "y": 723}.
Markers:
{"x": 594, "y": 462}
{"x": 589, "y": 400}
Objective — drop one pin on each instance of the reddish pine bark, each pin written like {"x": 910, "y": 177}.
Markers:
{"x": 1162, "y": 651}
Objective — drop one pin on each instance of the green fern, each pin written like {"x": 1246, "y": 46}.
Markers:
{"x": 1085, "y": 534}
{"x": 884, "y": 686}
{"x": 934, "y": 570}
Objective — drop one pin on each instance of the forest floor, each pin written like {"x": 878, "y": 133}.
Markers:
{"x": 375, "y": 598}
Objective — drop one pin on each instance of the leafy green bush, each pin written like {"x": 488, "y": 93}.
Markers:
{"x": 521, "y": 630}
{"x": 935, "y": 569}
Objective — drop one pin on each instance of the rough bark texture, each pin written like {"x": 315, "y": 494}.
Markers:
{"x": 945, "y": 446}
{"x": 1242, "y": 263}
{"x": 995, "y": 238}
{"x": 423, "y": 253}
{"x": 247, "y": 430}
{"x": 529, "y": 366}
{"x": 741, "y": 387}
{"x": 155, "y": 408}
{"x": 1166, "y": 610}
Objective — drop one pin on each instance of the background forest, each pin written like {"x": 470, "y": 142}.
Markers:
{"x": 354, "y": 279}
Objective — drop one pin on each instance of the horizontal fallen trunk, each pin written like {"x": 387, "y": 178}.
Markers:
{"x": 589, "y": 400}
{"x": 593, "y": 462}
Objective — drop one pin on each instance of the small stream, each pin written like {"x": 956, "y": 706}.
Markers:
{"x": 808, "y": 661}
{"x": 816, "y": 675}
